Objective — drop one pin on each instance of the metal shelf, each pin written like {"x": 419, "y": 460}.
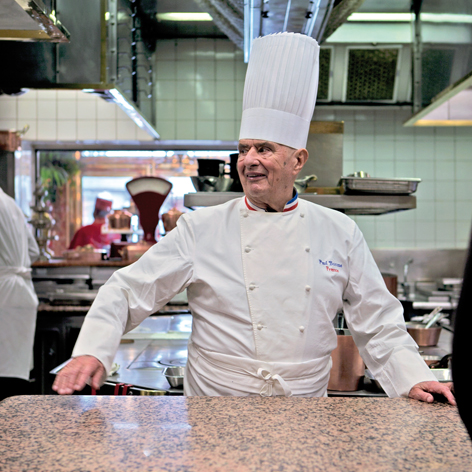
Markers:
{"x": 349, "y": 204}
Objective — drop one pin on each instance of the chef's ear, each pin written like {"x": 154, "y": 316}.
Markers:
{"x": 302, "y": 156}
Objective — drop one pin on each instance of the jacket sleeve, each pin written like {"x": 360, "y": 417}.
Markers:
{"x": 133, "y": 293}
{"x": 375, "y": 318}
{"x": 33, "y": 249}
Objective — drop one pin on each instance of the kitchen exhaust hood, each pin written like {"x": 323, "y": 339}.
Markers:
{"x": 106, "y": 56}
{"x": 30, "y": 20}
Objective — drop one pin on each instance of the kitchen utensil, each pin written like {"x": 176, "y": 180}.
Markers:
{"x": 209, "y": 183}
{"x": 210, "y": 167}
{"x": 436, "y": 315}
{"x": 301, "y": 184}
{"x": 174, "y": 375}
{"x": 149, "y": 194}
{"x": 423, "y": 336}
{"x": 379, "y": 186}
{"x": 348, "y": 367}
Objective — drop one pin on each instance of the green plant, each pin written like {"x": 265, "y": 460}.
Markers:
{"x": 56, "y": 168}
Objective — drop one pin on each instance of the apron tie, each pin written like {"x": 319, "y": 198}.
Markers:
{"x": 267, "y": 389}
{"x": 21, "y": 271}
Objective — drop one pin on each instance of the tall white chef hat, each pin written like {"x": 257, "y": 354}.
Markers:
{"x": 280, "y": 89}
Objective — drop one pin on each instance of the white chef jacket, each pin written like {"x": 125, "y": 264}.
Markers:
{"x": 18, "y": 301}
{"x": 264, "y": 289}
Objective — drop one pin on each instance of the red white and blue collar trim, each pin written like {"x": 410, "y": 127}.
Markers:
{"x": 289, "y": 206}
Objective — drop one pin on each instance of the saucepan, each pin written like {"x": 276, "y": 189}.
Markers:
{"x": 423, "y": 336}
{"x": 174, "y": 375}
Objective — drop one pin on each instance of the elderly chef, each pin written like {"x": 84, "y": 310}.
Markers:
{"x": 265, "y": 274}
{"x": 18, "y": 299}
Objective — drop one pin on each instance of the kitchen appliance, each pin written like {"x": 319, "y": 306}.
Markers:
{"x": 149, "y": 193}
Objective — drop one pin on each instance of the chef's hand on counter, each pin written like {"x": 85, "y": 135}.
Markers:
{"x": 425, "y": 391}
{"x": 77, "y": 373}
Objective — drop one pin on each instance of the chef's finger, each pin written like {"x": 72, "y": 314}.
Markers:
{"x": 98, "y": 377}
{"x": 89, "y": 366}
{"x": 418, "y": 394}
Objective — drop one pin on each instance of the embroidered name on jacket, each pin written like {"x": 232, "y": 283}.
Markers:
{"x": 331, "y": 266}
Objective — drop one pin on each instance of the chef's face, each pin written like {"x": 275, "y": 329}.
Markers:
{"x": 267, "y": 171}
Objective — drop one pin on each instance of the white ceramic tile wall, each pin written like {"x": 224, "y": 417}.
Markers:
{"x": 198, "y": 89}
{"x": 67, "y": 115}
{"x": 376, "y": 142}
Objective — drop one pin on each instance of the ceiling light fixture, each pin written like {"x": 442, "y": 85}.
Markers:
{"x": 408, "y": 17}
{"x": 184, "y": 16}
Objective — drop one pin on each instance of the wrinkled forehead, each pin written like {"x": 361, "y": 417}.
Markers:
{"x": 248, "y": 143}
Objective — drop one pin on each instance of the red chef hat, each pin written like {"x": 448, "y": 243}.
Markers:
{"x": 103, "y": 205}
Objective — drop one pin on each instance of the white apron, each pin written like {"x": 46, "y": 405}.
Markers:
{"x": 18, "y": 301}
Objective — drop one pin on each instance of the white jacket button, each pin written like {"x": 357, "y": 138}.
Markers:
{"x": 245, "y": 214}
{"x": 247, "y": 249}
{"x": 301, "y": 328}
{"x": 302, "y": 215}
{"x": 252, "y": 287}
{"x": 260, "y": 326}
{"x": 307, "y": 288}
{"x": 307, "y": 249}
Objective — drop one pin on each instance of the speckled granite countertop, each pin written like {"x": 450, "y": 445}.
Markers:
{"x": 99, "y": 433}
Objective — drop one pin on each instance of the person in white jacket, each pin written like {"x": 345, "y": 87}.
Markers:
{"x": 265, "y": 274}
{"x": 18, "y": 250}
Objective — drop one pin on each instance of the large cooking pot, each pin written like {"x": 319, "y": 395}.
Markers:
{"x": 391, "y": 281}
{"x": 348, "y": 367}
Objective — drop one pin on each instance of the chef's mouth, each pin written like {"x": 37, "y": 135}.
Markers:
{"x": 254, "y": 176}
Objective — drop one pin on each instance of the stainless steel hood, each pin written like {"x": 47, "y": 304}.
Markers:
{"x": 106, "y": 56}
{"x": 30, "y": 20}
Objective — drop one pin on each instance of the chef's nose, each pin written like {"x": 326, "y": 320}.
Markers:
{"x": 251, "y": 157}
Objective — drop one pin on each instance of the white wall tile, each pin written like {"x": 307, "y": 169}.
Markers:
{"x": 424, "y": 149}
{"x": 225, "y": 131}
{"x": 106, "y": 130}
{"x": 186, "y": 129}
{"x": 142, "y": 135}
{"x": 185, "y": 110}
{"x": 66, "y": 110}
{"x": 47, "y": 130}
{"x": 205, "y": 70}
{"x": 464, "y": 210}
{"x": 225, "y": 110}
{"x": 225, "y": 90}
{"x": 166, "y": 70}
{"x": 167, "y": 130}
{"x": 185, "y": 89}
{"x": 463, "y": 148}
{"x": 463, "y": 190}
{"x": 444, "y": 150}
{"x": 106, "y": 110}
{"x": 67, "y": 130}
{"x": 206, "y": 129}
{"x": 425, "y": 210}
{"x": 186, "y": 70}
{"x": 8, "y": 124}
{"x": 425, "y": 169}
{"x": 87, "y": 109}
{"x": 225, "y": 70}
{"x": 86, "y": 130}
{"x": 205, "y": 90}
{"x": 165, "y": 110}
{"x": 464, "y": 170}
{"x": 47, "y": 109}
{"x": 126, "y": 130}
{"x": 165, "y": 90}
{"x": 27, "y": 109}
{"x": 206, "y": 110}
{"x": 445, "y": 211}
